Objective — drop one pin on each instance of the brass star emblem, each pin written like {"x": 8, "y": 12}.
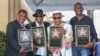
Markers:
{"x": 38, "y": 33}
{"x": 25, "y": 36}
{"x": 55, "y": 33}
{"x": 82, "y": 32}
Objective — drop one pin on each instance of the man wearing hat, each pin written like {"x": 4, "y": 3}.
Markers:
{"x": 65, "y": 50}
{"x": 39, "y": 51}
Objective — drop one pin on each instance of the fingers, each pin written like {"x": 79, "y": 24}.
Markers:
{"x": 63, "y": 31}
{"x": 89, "y": 45}
{"x": 71, "y": 39}
{"x": 22, "y": 50}
{"x": 51, "y": 49}
{"x": 35, "y": 47}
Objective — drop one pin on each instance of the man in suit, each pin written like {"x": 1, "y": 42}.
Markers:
{"x": 38, "y": 51}
{"x": 13, "y": 47}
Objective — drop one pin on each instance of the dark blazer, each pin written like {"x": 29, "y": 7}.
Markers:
{"x": 13, "y": 46}
{"x": 33, "y": 24}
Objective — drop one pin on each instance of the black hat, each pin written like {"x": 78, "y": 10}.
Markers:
{"x": 38, "y": 12}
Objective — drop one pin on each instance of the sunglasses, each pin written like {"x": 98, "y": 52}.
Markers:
{"x": 38, "y": 16}
{"x": 56, "y": 17}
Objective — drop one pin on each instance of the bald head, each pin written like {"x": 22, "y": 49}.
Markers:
{"x": 78, "y": 4}
{"x": 78, "y": 8}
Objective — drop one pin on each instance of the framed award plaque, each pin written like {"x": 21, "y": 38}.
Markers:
{"x": 82, "y": 35}
{"x": 55, "y": 37}
{"x": 38, "y": 35}
{"x": 25, "y": 39}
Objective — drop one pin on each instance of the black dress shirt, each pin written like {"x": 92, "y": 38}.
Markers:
{"x": 84, "y": 21}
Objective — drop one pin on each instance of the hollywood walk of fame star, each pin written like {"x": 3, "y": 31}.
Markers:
{"x": 55, "y": 33}
{"x": 38, "y": 33}
{"x": 25, "y": 36}
{"x": 82, "y": 32}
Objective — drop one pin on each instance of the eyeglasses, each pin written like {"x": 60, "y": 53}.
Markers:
{"x": 56, "y": 17}
{"x": 38, "y": 16}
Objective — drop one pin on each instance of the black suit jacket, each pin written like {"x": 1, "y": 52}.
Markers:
{"x": 13, "y": 46}
{"x": 33, "y": 24}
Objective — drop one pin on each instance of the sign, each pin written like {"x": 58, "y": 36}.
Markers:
{"x": 55, "y": 37}
{"x": 39, "y": 38}
{"x": 25, "y": 39}
{"x": 82, "y": 35}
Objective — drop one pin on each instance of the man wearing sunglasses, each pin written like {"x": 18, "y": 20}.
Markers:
{"x": 66, "y": 30}
{"x": 38, "y": 51}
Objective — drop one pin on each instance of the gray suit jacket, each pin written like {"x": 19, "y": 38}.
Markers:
{"x": 13, "y": 46}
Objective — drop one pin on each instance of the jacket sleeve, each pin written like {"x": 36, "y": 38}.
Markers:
{"x": 10, "y": 34}
{"x": 28, "y": 26}
{"x": 93, "y": 31}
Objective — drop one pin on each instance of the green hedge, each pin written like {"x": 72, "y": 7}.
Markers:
{"x": 2, "y": 42}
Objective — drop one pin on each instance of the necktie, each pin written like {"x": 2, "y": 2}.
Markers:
{"x": 23, "y": 26}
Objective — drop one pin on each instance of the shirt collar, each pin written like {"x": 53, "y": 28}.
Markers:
{"x": 19, "y": 22}
{"x": 22, "y": 24}
{"x": 37, "y": 24}
{"x": 81, "y": 19}
{"x": 59, "y": 25}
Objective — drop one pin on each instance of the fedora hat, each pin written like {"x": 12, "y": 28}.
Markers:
{"x": 38, "y": 12}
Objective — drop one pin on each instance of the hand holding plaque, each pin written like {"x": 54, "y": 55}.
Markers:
{"x": 39, "y": 38}
{"x": 25, "y": 39}
{"x": 63, "y": 31}
{"x": 82, "y": 35}
{"x": 22, "y": 49}
{"x": 90, "y": 45}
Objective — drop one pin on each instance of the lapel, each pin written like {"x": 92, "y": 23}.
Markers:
{"x": 18, "y": 25}
{"x": 44, "y": 24}
{"x": 33, "y": 24}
